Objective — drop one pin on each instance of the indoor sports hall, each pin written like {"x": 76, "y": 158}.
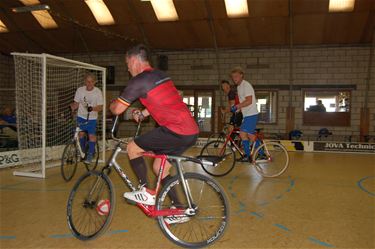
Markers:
{"x": 265, "y": 111}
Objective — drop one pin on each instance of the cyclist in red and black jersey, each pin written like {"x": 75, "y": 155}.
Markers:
{"x": 236, "y": 118}
{"x": 177, "y": 129}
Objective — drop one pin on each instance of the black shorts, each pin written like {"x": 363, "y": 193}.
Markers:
{"x": 236, "y": 119}
{"x": 161, "y": 140}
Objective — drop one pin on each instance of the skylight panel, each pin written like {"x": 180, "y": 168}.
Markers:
{"x": 3, "y": 28}
{"x": 236, "y": 8}
{"x": 164, "y": 10}
{"x": 341, "y": 5}
{"x": 100, "y": 11}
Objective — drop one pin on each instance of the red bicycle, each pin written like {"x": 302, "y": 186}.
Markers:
{"x": 270, "y": 159}
{"x": 202, "y": 217}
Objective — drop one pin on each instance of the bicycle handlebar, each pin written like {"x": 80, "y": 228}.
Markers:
{"x": 115, "y": 123}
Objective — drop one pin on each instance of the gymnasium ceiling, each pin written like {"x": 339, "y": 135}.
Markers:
{"x": 201, "y": 24}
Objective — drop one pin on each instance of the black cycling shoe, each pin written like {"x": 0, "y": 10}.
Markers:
{"x": 244, "y": 159}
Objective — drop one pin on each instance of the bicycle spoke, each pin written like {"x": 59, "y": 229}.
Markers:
{"x": 209, "y": 219}
{"x": 84, "y": 218}
{"x": 271, "y": 159}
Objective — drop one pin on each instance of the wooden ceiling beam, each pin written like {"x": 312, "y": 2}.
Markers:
{"x": 139, "y": 24}
{"x": 75, "y": 28}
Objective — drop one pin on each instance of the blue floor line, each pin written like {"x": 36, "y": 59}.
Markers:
{"x": 118, "y": 231}
{"x": 61, "y": 236}
{"x": 7, "y": 237}
{"x": 282, "y": 227}
{"x": 314, "y": 240}
{"x": 259, "y": 215}
{"x": 359, "y": 184}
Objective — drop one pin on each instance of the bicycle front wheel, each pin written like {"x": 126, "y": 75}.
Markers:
{"x": 69, "y": 161}
{"x": 205, "y": 222}
{"x": 271, "y": 159}
{"x": 91, "y": 205}
{"x": 223, "y": 156}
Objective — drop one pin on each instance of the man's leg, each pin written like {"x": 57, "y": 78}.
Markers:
{"x": 245, "y": 143}
{"x": 143, "y": 195}
{"x": 90, "y": 127}
{"x": 137, "y": 162}
{"x": 82, "y": 140}
{"x": 247, "y": 128}
{"x": 92, "y": 142}
{"x": 165, "y": 178}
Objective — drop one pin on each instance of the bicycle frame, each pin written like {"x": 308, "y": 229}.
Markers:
{"x": 148, "y": 209}
{"x": 76, "y": 135}
{"x": 234, "y": 144}
{"x": 76, "y": 140}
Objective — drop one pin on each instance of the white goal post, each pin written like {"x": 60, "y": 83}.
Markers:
{"x": 45, "y": 87}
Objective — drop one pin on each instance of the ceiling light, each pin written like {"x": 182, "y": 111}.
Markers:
{"x": 100, "y": 11}
{"x": 236, "y": 8}
{"x": 164, "y": 10}
{"x": 341, "y": 5}
{"x": 3, "y": 28}
{"x": 42, "y": 16}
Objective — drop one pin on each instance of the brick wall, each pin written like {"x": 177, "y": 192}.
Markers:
{"x": 269, "y": 66}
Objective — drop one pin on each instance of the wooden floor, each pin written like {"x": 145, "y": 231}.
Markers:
{"x": 322, "y": 201}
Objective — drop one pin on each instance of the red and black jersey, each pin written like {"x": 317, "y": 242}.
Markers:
{"x": 232, "y": 95}
{"x": 158, "y": 94}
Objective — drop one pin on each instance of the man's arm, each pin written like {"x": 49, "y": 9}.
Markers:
{"x": 117, "y": 108}
{"x": 74, "y": 106}
{"x": 248, "y": 101}
{"x": 97, "y": 108}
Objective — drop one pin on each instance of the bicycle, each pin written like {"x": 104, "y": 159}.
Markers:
{"x": 205, "y": 207}
{"x": 73, "y": 153}
{"x": 270, "y": 159}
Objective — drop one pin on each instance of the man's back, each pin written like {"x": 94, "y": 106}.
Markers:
{"x": 158, "y": 94}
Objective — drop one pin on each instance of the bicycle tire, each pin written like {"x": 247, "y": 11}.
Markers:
{"x": 69, "y": 161}
{"x": 216, "y": 136}
{"x": 85, "y": 220}
{"x": 211, "y": 211}
{"x": 271, "y": 159}
{"x": 226, "y": 164}
{"x": 94, "y": 164}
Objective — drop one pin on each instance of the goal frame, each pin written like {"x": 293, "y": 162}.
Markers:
{"x": 42, "y": 173}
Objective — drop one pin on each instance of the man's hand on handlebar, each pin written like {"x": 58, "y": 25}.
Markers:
{"x": 90, "y": 109}
{"x": 138, "y": 115}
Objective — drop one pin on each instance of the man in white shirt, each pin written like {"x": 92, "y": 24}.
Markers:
{"x": 248, "y": 108}
{"x": 89, "y": 101}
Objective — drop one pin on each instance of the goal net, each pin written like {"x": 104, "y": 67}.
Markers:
{"x": 45, "y": 87}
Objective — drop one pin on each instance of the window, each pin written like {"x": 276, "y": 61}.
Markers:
{"x": 326, "y": 107}
{"x": 267, "y": 106}
{"x": 332, "y": 101}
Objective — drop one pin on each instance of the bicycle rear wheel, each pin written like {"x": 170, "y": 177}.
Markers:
{"x": 69, "y": 161}
{"x": 91, "y": 205}
{"x": 271, "y": 159}
{"x": 209, "y": 217}
{"x": 216, "y": 136}
{"x": 223, "y": 156}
